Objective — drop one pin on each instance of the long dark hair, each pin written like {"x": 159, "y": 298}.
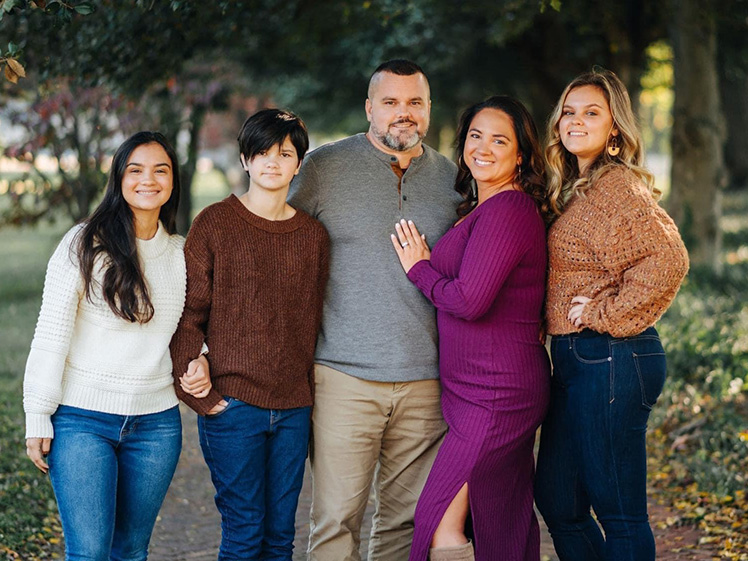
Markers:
{"x": 531, "y": 174}
{"x": 110, "y": 233}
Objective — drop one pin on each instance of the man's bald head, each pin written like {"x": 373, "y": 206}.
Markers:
{"x": 399, "y": 67}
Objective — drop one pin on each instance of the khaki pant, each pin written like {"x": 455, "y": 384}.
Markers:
{"x": 364, "y": 432}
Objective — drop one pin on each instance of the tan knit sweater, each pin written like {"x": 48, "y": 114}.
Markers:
{"x": 615, "y": 245}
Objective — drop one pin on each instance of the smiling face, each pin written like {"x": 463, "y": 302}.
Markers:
{"x": 273, "y": 169}
{"x": 148, "y": 179}
{"x": 398, "y": 110}
{"x": 491, "y": 151}
{"x": 586, "y": 123}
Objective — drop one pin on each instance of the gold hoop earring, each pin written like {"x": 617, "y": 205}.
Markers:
{"x": 613, "y": 147}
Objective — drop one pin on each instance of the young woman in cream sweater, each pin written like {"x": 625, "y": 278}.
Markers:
{"x": 101, "y": 410}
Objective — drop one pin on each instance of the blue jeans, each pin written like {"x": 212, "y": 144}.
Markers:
{"x": 256, "y": 460}
{"x": 592, "y": 445}
{"x": 110, "y": 474}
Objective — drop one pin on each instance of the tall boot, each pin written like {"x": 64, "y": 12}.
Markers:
{"x": 462, "y": 552}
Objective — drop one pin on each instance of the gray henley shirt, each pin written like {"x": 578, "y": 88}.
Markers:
{"x": 376, "y": 325}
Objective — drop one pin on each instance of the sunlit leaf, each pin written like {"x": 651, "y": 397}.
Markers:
{"x": 17, "y": 67}
{"x": 10, "y": 75}
{"x": 84, "y": 8}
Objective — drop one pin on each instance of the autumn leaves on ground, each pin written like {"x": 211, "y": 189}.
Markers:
{"x": 698, "y": 439}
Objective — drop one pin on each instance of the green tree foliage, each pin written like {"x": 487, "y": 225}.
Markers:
{"x": 158, "y": 54}
{"x": 316, "y": 57}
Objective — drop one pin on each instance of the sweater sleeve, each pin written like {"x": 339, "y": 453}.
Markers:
{"x": 642, "y": 248}
{"x": 305, "y": 188}
{"x": 190, "y": 336}
{"x": 42, "y": 383}
{"x": 323, "y": 274}
{"x": 494, "y": 248}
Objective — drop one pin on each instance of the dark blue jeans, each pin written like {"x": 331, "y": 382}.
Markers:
{"x": 256, "y": 459}
{"x": 592, "y": 445}
{"x": 110, "y": 474}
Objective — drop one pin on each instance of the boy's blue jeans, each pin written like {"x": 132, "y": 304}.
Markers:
{"x": 592, "y": 445}
{"x": 110, "y": 474}
{"x": 256, "y": 459}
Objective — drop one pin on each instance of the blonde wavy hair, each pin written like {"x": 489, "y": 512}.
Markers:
{"x": 564, "y": 180}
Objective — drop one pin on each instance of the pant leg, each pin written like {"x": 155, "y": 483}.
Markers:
{"x": 348, "y": 422}
{"x": 233, "y": 444}
{"x": 286, "y": 451}
{"x": 83, "y": 472}
{"x": 147, "y": 457}
{"x": 560, "y": 491}
{"x": 617, "y": 471}
{"x": 409, "y": 446}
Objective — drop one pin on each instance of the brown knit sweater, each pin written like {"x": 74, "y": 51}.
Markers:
{"x": 254, "y": 295}
{"x": 615, "y": 245}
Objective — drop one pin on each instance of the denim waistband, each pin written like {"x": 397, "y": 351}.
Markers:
{"x": 590, "y": 334}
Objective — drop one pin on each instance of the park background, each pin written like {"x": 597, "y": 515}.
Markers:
{"x": 80, "y": 76}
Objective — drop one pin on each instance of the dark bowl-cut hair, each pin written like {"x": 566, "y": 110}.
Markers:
{"x": 109, "y": 234}
{"x": 269, "y": 127}
{"x": 399, "y": 66}
{"x": 531, "y": 173}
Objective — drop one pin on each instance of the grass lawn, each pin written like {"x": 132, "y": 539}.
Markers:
{"x": 28, "y": 523}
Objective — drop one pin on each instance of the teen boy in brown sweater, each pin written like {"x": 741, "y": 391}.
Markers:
{"x": 256, "y": 274}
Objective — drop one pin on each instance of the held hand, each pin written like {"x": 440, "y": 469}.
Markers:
{"x": 409, "y": 244}
{"x": 37, "y": 449}
{"x": 196, "y": 381}
{"x": 575, "y": 313}
{"x": 218, "y": 407}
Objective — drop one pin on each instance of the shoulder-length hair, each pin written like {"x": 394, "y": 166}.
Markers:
{"x": 109, "y": 234}
{"x": 531, "y": 173}
{"x": 564, "y": 180}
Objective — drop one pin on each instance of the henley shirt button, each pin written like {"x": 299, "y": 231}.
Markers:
{"x": 405, "y": 198}
{"x": 393, "y": 158}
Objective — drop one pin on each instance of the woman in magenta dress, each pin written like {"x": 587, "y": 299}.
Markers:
{"x": 486, "y": 278}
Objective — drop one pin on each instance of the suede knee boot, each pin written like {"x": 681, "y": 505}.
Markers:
{"x": 462, "y": 552}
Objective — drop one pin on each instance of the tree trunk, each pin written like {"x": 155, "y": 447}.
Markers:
{"x": 184, "y": 213}
{"x": 698, "y": 173}
{"x": 734, "y": 90}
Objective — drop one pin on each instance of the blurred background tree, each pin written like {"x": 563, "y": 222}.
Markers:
{"x": 68, "y": 135}
{"x": 183, "y": 60}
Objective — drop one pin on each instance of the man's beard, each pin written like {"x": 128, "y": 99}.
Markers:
{"x": 401, "y": 142}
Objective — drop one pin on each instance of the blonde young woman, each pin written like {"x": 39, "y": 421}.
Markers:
{"x": 616, "y": 261}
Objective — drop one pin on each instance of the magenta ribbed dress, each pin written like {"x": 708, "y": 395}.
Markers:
{"x": 486, "y": 278}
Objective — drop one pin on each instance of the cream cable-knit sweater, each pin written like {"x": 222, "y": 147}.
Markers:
{"x": 84, "y": 356}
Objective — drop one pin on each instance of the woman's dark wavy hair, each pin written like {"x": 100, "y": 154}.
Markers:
{"x": 531, "y": 173}
{"x": 109, "y": 234}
